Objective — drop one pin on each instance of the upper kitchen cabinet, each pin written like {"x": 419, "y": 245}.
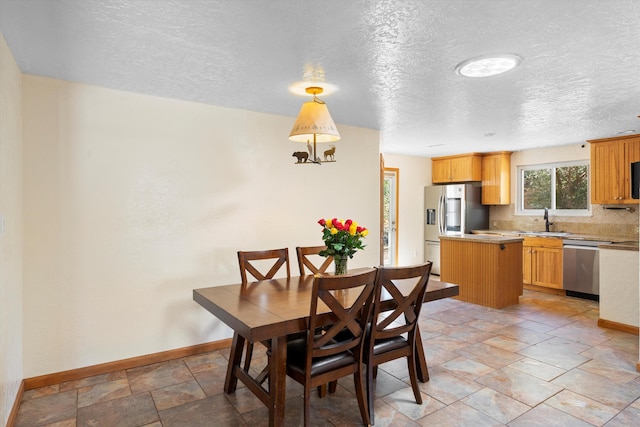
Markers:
{"x": 496, "y": 178}
{"x": 611, "y": 160}
{"x": 458, "y": 168}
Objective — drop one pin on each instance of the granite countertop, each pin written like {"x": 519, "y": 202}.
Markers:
{"x": 630, "y": 245}
{"x": 484, "y": 238}
{"x": 557, "y": 235}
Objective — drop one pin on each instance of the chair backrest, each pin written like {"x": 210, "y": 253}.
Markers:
{"x": 304, "y": 259}
{"x": 404, "y": 289}
{"x": 350, "y": 299}
{"x": 245, "y": 258}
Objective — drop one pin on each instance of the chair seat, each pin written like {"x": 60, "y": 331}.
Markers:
{"x": 296, "y": 350}
{"x": 389, "y": 344}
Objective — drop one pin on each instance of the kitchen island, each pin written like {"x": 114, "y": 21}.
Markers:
{"x": 488, "y": 269}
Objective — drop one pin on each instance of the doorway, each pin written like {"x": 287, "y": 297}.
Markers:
{"x": 390, "y": 216}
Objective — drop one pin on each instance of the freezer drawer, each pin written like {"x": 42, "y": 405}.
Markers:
{"x": 432, "y": 253}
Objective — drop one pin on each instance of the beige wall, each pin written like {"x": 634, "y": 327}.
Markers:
{"x": 132, "y": 201}
{"x": 415, "y": 174}
{"x": 11, "y": 237}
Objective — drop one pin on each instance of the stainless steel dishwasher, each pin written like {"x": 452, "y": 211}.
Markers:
{"x": 581, "y": 268}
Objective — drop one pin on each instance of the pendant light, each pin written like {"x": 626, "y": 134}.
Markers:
{"x": 314, "y": 124}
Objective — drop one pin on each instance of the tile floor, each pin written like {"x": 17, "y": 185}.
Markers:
{"x": 543, "y": 362}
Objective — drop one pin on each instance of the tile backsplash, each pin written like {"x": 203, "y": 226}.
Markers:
{"x": 603, "y": 222}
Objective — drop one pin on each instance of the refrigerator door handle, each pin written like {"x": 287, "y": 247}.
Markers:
{"x": 441, "y": 216}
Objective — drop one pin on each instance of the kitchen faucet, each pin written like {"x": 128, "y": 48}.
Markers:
{"x": 546, "y": 220}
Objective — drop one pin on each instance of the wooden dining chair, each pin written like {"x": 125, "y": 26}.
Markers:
{"x": 393, "y": 329}
{"x": 262, "y": 265}
{"x": 318, "y": 358}
{"x": 252, "y": 262}
{"x": 306, "y": 257}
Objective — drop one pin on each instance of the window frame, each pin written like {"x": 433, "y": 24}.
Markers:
{"x": 552, "y": 210}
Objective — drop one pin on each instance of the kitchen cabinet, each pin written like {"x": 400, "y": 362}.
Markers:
{"x": 542, "y": 262}
{"x": 458, "y": 168}
{"x": 487, "y": 268}
{"x": 611, "y": 160}
{"x": 496, "y": 178}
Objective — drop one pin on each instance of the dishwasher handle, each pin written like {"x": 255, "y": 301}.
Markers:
{"x": 588, "y": 248}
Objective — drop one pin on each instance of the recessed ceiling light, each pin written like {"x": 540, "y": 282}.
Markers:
{"x": 487, "y": 65}
{"x": 626, "y": 132}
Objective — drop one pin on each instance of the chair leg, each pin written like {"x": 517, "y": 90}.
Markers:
{"x": 248, "y": 356}
{"x": 370, "y": 398}
{"x": 333, "y": 385}
{"x": 363, "y": 403}
{"x": 322, "y": 390}
{"x": 413, "y": 376}
{"x": 307, "y": 405}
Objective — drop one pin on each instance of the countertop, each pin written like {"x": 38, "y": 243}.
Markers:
{"x": 565, "y": 236}
{"x": 484, "y": 238}
{"x": 622, "y": 246}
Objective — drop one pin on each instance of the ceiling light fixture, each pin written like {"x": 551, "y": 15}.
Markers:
{"x": 314, "y": 123}
{"x": 487, "y": 65}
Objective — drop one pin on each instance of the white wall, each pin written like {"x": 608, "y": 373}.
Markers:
{"x": 132, "y": 201}
{"x": 415, "y": 174}
{"x": 11, "y": 237}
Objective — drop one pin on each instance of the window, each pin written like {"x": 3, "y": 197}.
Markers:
{"x": 561, "y": 187}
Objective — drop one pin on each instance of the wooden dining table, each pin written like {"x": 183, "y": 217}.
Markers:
{"x": 272, "y": 310}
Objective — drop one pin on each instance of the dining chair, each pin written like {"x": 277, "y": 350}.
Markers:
{"x": 394, "y": 326}
{"x": 306, "y": 256}
{"x": 262, "y": 265}
{"x": 318, "y": 358}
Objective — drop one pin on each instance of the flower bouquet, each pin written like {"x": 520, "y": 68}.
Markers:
{"x": 343, "y": 239}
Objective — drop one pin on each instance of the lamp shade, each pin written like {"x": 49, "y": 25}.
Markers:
{"x": 314, "y": 119}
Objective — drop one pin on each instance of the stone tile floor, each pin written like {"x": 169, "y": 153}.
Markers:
{"x": 543, "y": 362}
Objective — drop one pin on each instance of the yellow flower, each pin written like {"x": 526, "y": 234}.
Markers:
{"x": 334, "y": 230}
{"x": 364, "y": 233}
{"x": 352, "y": 229}
{"x": 328, "y": 224}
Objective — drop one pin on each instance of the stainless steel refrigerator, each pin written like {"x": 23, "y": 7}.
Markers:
{"x": 451, "y": 209}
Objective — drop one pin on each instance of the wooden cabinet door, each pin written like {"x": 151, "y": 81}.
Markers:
{"x": 547, "y": 267}
{"x": 440, "y": 171}
{"x": 496, "y": 179}
{"x": 461, "y": 169}
{"x": 466, "y": 168}
{"x": 607, "y": 178}
{"x": 631, "y": 154}
{"x": 526, "y": 264}
{"x": 611, "y": 160}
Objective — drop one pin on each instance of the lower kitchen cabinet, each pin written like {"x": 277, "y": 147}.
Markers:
{"x": 542, "y": 262}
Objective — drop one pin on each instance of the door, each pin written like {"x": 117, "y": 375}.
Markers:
{"x": 390, "y": 216}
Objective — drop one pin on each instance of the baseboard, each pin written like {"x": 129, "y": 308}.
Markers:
{"x": 544, "y": 289}
{"x": 610, "y": 324}
{"x": 16, "y": 405}
{"x": 134, "y": 362}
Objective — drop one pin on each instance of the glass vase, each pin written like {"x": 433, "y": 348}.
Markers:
{"x": 340, "y": 264}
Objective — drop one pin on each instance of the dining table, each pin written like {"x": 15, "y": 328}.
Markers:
{"x": 272, "y": 310}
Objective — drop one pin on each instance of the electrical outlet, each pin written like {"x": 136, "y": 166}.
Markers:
{"x": 495, "y": 223}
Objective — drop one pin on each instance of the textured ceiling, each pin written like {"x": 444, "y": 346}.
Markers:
{"x": 391, "y": 61}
